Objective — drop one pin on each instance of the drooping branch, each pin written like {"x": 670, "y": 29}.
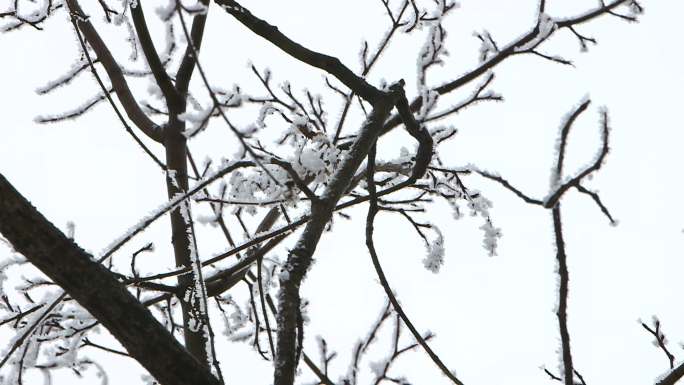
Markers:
{"x": 274, "y": 235}
{"x": 97, "y": 291}
{"x": 370, "y": 219}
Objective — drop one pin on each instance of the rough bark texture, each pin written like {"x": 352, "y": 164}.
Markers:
{"x": 175, "y": 144}
{"x": 673, "y": 376}
{"x": 301, "y": 256}
{"x": 96, "y": 289}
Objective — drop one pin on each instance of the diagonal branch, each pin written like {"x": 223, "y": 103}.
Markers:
{"x": 329, "y": 64}
{"x": 659, "y": 339}
{"x": 301, "y": 256}
{"x": 189, "y": 60}
{"x": 127, "y": 127}
{"x": 97, "y": 291}
{"x": 163, "y": 80}
{"x": 671, "y": 377}
{"x": 123, "y": 92}
{"x": 505, "y": 183}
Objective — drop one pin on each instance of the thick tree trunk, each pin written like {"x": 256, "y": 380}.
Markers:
{"x": 96, "y": 289}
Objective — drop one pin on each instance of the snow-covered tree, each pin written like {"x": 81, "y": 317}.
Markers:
{"x": 291, "y": 163}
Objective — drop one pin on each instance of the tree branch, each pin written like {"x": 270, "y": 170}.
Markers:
{"x": 172, "y": 97}
{"x": 329, "y": 64}
{"x": 372, "y": 211}
{"x": 301, "y": 256}
{"x": 97, "y": 291}
{"x": 123, "y": 92}
{"x": 506, "y": 52}
{"x": 562, "y": 311}
{"x": 189, "y": 60}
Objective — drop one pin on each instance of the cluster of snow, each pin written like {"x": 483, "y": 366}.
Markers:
{"x": 232, "y": 8}
{"x": 429, "y": 98}
{"x": 197, "y": 7}
{"x": 434, "y": 259}
{"x": 148, "y": 380}
{"x": 441, "y": 133}
{"x": 165, "y": 11}
{"x": 195, "y": 119}
{"x": 13, "y": 259}
{"x": 154, "y": 90}
{"x": 634, "y": 7}
{"x": 545, "y": 27}
{"x": 233, "y": 98}
{"x": 477, "y": 204}
{"x": 54, "y": 347}
{"x": 30, "y": 11}
{"x": 431, "y": 53}
{"x": 266, "y": 110}
{"x": 378, "y": 367}
{"x": 432, "y": 50}
{"x": 491, "y": 237}
{"x": 487, "y": 46}
{"x": 71, "y": 229}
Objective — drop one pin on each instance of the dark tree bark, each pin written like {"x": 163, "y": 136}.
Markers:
{"x": 96, "y": 289}
{"x": 176, "y": 149}
{"x": 119, "y": 83}
{"x": 175, "y": 144}
{"x": 301, "y": 256}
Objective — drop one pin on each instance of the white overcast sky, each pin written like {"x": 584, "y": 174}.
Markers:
{"x": 493, "y": 316}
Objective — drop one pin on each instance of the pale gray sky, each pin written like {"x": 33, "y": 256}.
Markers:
{"x": 493, "y": 316}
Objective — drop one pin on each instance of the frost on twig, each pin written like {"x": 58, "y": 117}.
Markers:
{"x": 659, "y": 339}
{"x": 75, "y": 112}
